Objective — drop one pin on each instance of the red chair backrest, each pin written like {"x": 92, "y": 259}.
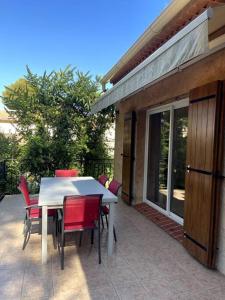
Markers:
{"x": 24, "y": 190}
{"x": 114, "y": 187}
{"x": 81, "y": 210}
{"x": 103, "y": 179}
{"x": 67, "y": 173}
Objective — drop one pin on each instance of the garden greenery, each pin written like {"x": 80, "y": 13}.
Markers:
{"x": 53, "y": 119}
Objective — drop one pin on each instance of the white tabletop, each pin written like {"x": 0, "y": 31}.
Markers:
{"x": 54, "y": 189}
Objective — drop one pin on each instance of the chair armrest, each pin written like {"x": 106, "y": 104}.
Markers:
{"x": 32, "y": 206}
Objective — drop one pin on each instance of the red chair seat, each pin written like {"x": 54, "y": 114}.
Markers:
{"x": 105, "y": 210}
{"x": 35, "y": 213}
{"x": 79, "y": 226}
{"x": 34, "y": 201}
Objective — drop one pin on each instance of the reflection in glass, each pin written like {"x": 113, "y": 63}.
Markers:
{"x": 157, "y": 190}
{"x": 179, "y": 161}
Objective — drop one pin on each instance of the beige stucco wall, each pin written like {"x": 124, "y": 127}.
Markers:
{"x": 118, "y": 146}
{"x": 139, "y": 156}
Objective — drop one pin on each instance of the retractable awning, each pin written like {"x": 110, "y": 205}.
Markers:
{"x": 187, "y": 44}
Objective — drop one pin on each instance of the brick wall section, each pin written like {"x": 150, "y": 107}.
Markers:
{"x": 169, "y": 226}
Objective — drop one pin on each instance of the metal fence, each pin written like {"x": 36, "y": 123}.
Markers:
{"x": 10, "y": 172}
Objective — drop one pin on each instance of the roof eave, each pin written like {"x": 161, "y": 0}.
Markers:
{"x": 167, "y": 15}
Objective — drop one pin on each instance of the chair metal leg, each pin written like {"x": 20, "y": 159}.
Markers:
{"x": 25, "y": 227}
{"x": 62, "y": 252}
{"x": 81, "y": 235}
{"x": 59, "y": 235}
{"x": 27, "y": 234}
{"x": 25, "y": 239}
{"x": 107, "y": 223}
{"x": 114, "y": 233}
{"x": 92, "y": 236}
{"x": 99, "y": 245}
{"x": 102, "y": 221}
{"x": 40, "y": 226}
{"x": 54, "y": 232}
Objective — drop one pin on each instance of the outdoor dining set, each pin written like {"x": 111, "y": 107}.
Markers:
{"x": 73, "y": 204}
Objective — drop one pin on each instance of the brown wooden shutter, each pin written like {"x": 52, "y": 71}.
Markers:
{"x": 204, "y": 162}
{"x": 128, "y": 156}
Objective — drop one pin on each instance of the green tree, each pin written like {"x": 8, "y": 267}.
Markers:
{"x": 53, "y": 118}
{"x": 9, "y": 147}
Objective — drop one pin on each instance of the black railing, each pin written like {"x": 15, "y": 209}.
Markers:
{"x": 3, "y": 178}
{"x": 95, "y": 167}
{"x": 10, "y": 171}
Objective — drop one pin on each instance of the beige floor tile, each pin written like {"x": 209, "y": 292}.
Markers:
{"x": 104, "y": 293}
{"x": 122, "y": 276}
{"x": 11, "y": 283}
{"x": 146, "y": 264}
{"x": 133, "y": 291}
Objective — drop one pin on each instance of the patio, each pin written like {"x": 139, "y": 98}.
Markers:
{"x": 147, "y": 264}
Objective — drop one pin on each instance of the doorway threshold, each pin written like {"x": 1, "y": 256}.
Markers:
{"x": 171, "y": 227}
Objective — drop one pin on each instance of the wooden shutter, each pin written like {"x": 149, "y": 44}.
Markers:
{"x": 128, "y": 156}
{"x": 204, "y": 162}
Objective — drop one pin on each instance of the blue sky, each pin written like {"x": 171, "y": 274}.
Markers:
{"x": 51, "y": 34}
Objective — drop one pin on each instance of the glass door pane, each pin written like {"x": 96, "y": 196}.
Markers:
{"x": 159, "y": 129}
{"x": 180, "y": 129}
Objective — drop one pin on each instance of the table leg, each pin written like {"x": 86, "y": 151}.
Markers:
{"x": 110, "y": 230}
{"x": 44, "y": 235}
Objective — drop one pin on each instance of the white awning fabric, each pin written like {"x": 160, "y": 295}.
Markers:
{"x": 190, "y": 42}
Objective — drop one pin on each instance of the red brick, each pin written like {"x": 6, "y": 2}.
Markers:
{"x": 174, "y": 229}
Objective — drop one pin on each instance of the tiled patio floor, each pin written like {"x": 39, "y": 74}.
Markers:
{"x": 147, "y": 264}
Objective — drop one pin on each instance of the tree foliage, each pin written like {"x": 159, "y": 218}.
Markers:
{"x": 53, "y": 118}
{"x": 9, "y": 146}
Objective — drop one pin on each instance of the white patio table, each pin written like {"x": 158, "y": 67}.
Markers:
{"x": 54, "y": 189}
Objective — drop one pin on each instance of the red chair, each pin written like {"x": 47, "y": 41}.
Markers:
{"x": 33, "y": 212}
{"x": 28, "y": 200}
{"x": 103, "y": 179}
{"x": 67, "y": 173}
{"x": 80, "y": 213}
{"x": 114, "y": 187}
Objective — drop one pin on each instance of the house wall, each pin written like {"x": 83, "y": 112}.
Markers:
{"x": 221, "y": 237}
{"x": 173, "y": 88}
{"x": 118, "y": 146}
{"x": 139, "y": 156}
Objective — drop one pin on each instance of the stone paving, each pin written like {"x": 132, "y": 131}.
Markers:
{"x": 146, "y": 264}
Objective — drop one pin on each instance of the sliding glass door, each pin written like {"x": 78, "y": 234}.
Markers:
{"x": 166, "y": 156}
{"x": 157, "y": 188}
{"x": 179, "y": 161}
